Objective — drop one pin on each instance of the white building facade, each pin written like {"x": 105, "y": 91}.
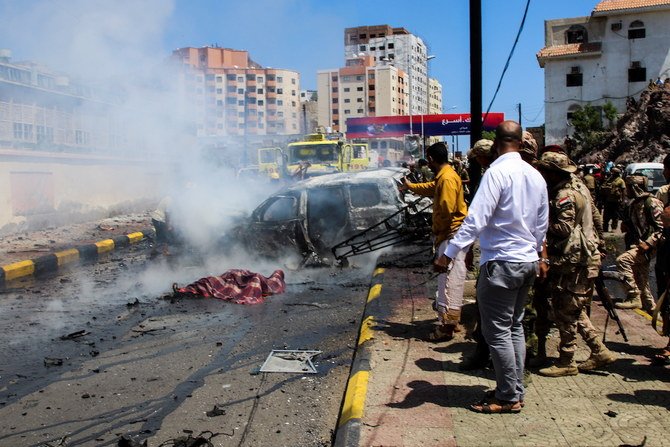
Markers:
{"x": 609, "y": 56}
{"x": 396, "y": 47}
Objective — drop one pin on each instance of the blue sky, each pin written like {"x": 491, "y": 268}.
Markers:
{"x": 113, "y": 36}
{"x": 308, "y": 35}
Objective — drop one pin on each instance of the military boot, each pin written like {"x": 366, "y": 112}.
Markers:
{"x": 632, "y": 303}
{"x": 540, "y": 360}
{"x": 602, "y": 358}
{"x": 563, "y": 367}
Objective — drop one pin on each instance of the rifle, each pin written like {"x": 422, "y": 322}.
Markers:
{"x": 608, "y": 304}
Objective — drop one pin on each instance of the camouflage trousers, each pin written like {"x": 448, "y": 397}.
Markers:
{"x": 571, "y": 291}
{"x": 634, "y": 266}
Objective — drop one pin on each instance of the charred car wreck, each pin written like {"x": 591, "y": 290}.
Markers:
{"x": 325, "y": 219}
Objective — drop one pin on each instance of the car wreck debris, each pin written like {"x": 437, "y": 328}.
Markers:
{"x": 290, "y": 361}
{"x": 238, "y": 286}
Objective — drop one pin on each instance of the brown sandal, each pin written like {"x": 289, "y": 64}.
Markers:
{"x": 495, "y": 406}
{"x": 491, "y": 394}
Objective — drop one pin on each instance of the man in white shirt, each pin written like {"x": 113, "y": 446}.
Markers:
{"x": 509, "y": 214}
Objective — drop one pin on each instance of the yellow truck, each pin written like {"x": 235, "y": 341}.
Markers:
{"x": 321, "y": 154}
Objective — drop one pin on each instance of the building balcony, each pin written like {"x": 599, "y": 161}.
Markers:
{"x": 568, "y": 51}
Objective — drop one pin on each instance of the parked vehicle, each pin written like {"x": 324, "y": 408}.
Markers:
{"x": 653, "y": 172}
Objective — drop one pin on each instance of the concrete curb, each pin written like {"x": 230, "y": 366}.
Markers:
{"x": 52, "y": 262}
{"x": 348, "y": 429}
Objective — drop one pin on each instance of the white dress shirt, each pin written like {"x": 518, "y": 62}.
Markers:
{"x": 509, "y": 213}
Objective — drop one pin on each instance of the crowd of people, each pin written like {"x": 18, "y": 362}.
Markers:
{"x": 540, "y": 233}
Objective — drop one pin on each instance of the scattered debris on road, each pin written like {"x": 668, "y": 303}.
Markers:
{"x": 52, "y": 361}
{"x": 74, "y": 335}
{"x": 218, "y": 410}
{"x": 290, "y": 361}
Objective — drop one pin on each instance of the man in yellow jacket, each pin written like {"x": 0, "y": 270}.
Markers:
{"x": 449, "y": 210}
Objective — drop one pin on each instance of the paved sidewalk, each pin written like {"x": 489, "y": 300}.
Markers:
{"x": 416, "y": 395}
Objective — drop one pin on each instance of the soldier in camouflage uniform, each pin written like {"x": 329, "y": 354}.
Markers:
{"x": 662, "y": 267}
{"x": 574, "y": 258}
{"x": 644, "y": 231}
{"x": 613, "y": 194}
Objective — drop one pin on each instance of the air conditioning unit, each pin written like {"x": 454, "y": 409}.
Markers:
{"x": 575, "y": 70}
{"x": 635, "y": 64}
{"x": 616, "y": 26}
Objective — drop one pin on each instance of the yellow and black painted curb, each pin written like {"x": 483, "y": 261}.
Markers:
{"x": 54, "y": 261}
{"x": 348, "y": 429}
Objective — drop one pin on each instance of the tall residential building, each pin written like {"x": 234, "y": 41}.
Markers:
{"x": 233, "y": 95}
{"x": 397, "y": 47}
{"x": 360, "y": 89}
{"x": 434, "y": 96}
{"x": 309, "y": 111}
{"x": 608, "y": 56}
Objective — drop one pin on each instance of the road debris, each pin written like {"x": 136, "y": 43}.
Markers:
{"x": 218, "y": 410}
{"x": 74, "y": 335}
{"x": 52, "y": 361}
{"x": 290, "y": 361}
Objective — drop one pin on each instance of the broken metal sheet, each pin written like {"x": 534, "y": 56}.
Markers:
{"x": 290, "y": 361}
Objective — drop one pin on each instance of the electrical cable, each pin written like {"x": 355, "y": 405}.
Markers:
{"x": 536, "y": 116}
{"x": 511, "y": 53}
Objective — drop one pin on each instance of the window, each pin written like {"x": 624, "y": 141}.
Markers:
{"x": 359, "y": 78}
{"x": 391, "y": 45}
{"x": 271, "y": 90}
{"x": 359, "y": 99}
{"x": 260, "y": 102}
{"x": 240, "y": 102}
{"x": 240, "y": 91}
{"x": 272, "y": 101}
{"x": 259, "y": 79}
{"x": 280, "y": 79}
{"x": 219, "y": 90}
{"x": 636, "y": 30}
{"x": 334, "y": 89}
{"x": 360, "y": 110}
{"x": 251, "y": 89}
{"x": 371, "y": 76}
{"x": 231, "y": 89}
{"x": 636, "y": 72}
{"x": 371, "y": 87}
{"x": 574, "y": 78}
{"x": 293, "y": 81}
{"x": 210, "y": 77}
{"x": 271, "y": 77}
{"x": 334, "y": 111}
{"x": 251, "y": 77}
{"x": 346, "y": 100}
{"x": 231, "y": 77}
{"x": 219, "y": 102}
{"x": 280, "y": 91}
{"x": 333, "y": 78}
{"x": 240, "y": 79}
{"x": 334, "y": 101}
{"x": 251, "y": 100}
{"x": 282, "y": 208}
{"x": 363, "y": 196}
{"x": 373, "y": 48}
{"x": 260, "y": 91}
{"x": 219, "y": 79}
{"x": 231, "y": 101}
{"x": 347, "y": 111}
{"x": 292, "y": 92}
{"x": 280, "y": 102}
{"x": 576, "y": 34}
{"x": 346, "y": 89}
{"x": 359, "y": 89}
{"x": 361, "y": 48}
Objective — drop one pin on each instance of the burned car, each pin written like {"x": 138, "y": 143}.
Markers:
{"x": 312, "y": 217}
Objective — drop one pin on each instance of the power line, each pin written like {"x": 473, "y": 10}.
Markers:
{"x": 511, "y": 53}
{"x": 536, "y": 116}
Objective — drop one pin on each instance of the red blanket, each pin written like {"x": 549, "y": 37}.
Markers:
{"x": 238, "y": 286}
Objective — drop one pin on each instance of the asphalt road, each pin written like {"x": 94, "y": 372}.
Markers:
{"x": 152, "y": 368}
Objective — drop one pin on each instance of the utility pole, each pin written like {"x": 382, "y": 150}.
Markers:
{"x": 475, "y": 170}
{"x": 519, "y": 106}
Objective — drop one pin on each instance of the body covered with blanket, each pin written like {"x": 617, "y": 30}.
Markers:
{"x": 238, "y": 286}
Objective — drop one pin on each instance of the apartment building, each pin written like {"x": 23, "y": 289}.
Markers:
{"x": 609, "y": 55}
{"x": 233, "y": 95}
{"x": 46, "y": 111}
{"x": 360, "y": 89}
{"x": 394, "y": 47}
{"x": 434, "y": 96}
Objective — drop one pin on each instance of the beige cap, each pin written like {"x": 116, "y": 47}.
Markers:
{"x": 556, "y": 161}
{"x": 529, "y": 145}
{"x": 482, "y": 148}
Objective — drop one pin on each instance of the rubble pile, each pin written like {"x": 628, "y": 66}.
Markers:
{"x": 642, "y": 134}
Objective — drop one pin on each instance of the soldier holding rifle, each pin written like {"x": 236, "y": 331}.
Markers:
{"x": 574, "y": 258}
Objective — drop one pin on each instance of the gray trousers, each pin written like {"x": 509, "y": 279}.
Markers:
{"x": 502, "y": 290}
